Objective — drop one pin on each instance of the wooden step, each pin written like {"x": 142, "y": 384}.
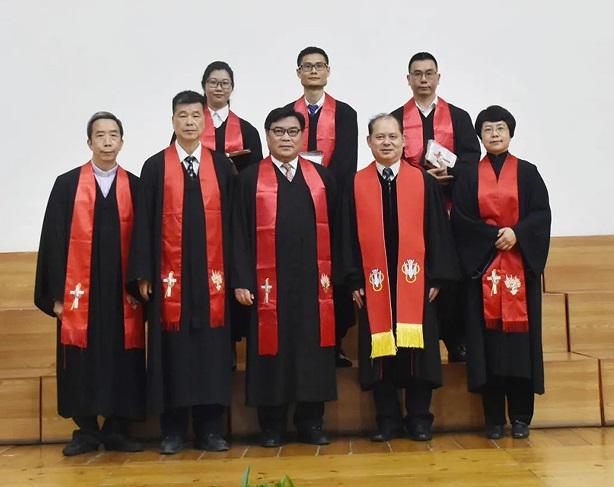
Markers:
{"x": 591, "y": 320}
{"x": 17, "y": 284}
{"x": 606, "y": 369}
{"x": 20, "y": 410}
{"x": 554, "y": 323}
{"x": 27, "y": 339}
{"x": 580, "y": 264}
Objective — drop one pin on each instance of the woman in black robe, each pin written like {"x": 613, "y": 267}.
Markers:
{"x": 503, "y": 364}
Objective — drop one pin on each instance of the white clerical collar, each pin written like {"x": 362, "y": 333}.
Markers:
{"x": 219, "y": 116}
{"x": 293, "y": 163}
{"x": 426, "y": 111}
{"x": 183, "y": 154}
{"x": 320, "y": 102}
{"x": 395, "y": 168}
{"x": 105, "y": 174}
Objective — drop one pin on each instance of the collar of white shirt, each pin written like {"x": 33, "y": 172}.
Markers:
{"x": 219, "y": 116}
{"x": 104, "y": 178}
{"x": 395, "y": 168}
{"x": 293, "y": 163}
{"x": 183, "y": 154}
{"x": 426, "y": 111}
{"x": 104, "y": 174}
{"x": 320, "y": 102}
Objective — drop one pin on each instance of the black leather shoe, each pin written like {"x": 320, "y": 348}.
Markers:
{"x": 171, "y": 444}
{"x": 386, "y": 434}
{"x": 457, "y": 353}
{"x": 520, "y": 430}
{"x": 120, "y": 442}
{"x": 313, "y": 436}
{"x": 211, "y": 442}
{"x": 270, "y": 439}
{"x": 81, "y": 443}
{"x": 495, "y": 432}
{"x": 342, "y": 360}
{"x": 420, "y": 432}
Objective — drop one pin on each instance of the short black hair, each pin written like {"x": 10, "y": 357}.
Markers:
{"x": 103, "y": 116}
{"x": 281, "y": 113}
{"x": 310, "y": 50}
{"x": 422, "y": 56}
{"x": 381, "y": 116}
{"x": 495, "y": 113}
{"x": 217, "y": 65}
{"x": 186, "y": 98}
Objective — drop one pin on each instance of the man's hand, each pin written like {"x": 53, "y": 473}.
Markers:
{"x": 439, "y": 173}
{"x": 144, "y": 289}
{"x": 433, "y": 293}
{"x": 131, "y": 301}
{"x": 506, "y": 240}
{"x": 58, "y": 309}
{"x": 244, "y": 296}
{"x": 357, "y": 297}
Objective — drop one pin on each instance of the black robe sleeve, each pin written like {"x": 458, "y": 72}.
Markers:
{"x": 475, "y": 238}
{"x": 344, "y": 159}
{"x": 533, "y": 229}
{"x": 53, "y": 247}
{"x": 441, "y": 259}
{"x": 350, "y": 257}
{"x": 243, "y": 265}
{"x": 466, "y": 143}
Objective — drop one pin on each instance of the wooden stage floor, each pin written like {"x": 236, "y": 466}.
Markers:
{"x": 550, "y": 457}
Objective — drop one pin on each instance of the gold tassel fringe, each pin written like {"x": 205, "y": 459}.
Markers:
{"x": 410, "y": 335}
{"x": 382, "y": 344}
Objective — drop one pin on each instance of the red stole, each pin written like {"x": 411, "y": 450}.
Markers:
{"x": 503, "y": 283}
{"x": 326, "y": 126}
{"x": 233, "y": 140}
{"x": 413, "y": 131}
{"x": 172, "y": 229}
{"x": 78, "y": 267}
{"x": 410, "y": 267}
{"x": 266, "y": 261}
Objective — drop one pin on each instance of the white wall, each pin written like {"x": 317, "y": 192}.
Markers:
{"x": 62, "y": 60}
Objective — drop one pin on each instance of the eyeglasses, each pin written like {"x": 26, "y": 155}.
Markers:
{"x": 308, "y": 67}
{"x": 214, "y": 83}
{"x": 430, "y": 74}
{"x": 279, "y": 132}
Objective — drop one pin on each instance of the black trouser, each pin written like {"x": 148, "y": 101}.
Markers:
{"x": 88, "y": 425}
{"x": 520, "y": 400}
{"x": 206, "y": 419}
{"x": 307, "y": 415}
{"x": 449, "y": 304}
{"x": 345, "y": 316}
{"x": 417, "y": 403}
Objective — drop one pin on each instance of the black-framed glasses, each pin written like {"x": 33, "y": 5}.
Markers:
{"x": 279, "y": 132}
{"x": 308, "y": 67}
{"x": 214, "y": 83}
{"x": 430, "y": 74}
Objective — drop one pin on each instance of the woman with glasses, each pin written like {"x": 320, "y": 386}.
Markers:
{"x": 224, "y": 131}
{"x": 501, "y": 220}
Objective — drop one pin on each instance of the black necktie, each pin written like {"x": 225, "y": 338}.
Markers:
{"x": 190, "y": 160}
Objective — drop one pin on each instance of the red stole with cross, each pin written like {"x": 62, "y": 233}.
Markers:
{"x": 325, "y": 136}
{"x": 413, "y": 130}
{"x": 172, "y": 230}
{"x": 503, "y": 283}
{"x": 233, "y": 139}
{"x": 410, "y": 266}
{"x": 266, "y": 261}
{"x": 77, "y": 287}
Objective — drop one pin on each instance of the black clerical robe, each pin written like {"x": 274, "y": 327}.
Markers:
{"x": 192, "y": 366}
{"x": 441, "y": 266}
{"x": 302, "y": 370}
{"x": 251, "y": 140}
{"x": 490, "y": 352}
{"x": 104, "y": 378}
{"x": 466, "y": 143}
{"x": 343, "y": 164}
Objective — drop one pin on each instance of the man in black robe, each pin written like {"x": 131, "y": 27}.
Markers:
{"x": 104, "y": 377}
{"x": 423, "y": 78}
{"x": 418, "y": 370}
{"x": 503, "y": 364}
{"x": 190, "y": 367}
{"x": 301, "y": 371}
{"x": 313, "y": 71}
